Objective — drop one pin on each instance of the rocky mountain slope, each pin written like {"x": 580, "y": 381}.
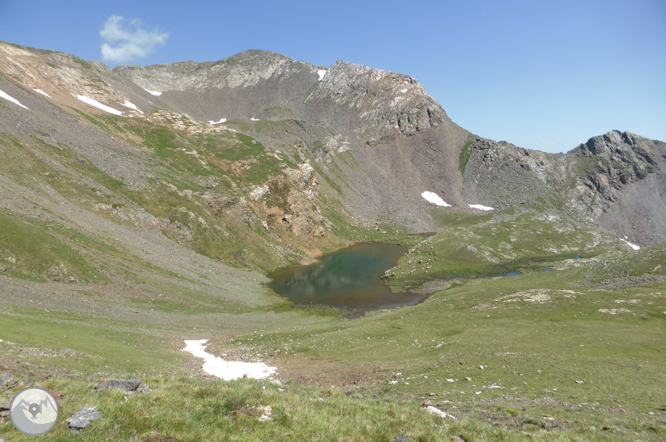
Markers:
{"x": 616, "y": 180}
{"x": 381, "y": 118}
{"x": 262, "y": 161}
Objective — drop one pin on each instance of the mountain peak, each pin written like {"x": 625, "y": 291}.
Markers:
{"x": 253, "y": 53}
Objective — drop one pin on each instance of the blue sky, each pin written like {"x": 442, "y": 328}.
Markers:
{"x": 541, "y": 74}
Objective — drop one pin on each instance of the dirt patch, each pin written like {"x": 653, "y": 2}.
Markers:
{"x": 431, "y": 287}
{"x": 324, "y": 373}
{"x": 161, "y": 439}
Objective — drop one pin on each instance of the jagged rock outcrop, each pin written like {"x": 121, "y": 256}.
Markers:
{"x": 607, "y": 164}
{"x": 616, "y": 180}
{"x": 620, "y": 182}
{"x": 386, "y": 103}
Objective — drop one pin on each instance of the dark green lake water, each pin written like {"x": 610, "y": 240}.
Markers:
{"x": 349, "y": 279}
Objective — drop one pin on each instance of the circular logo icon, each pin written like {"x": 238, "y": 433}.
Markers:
{"x": 34, "y": 411}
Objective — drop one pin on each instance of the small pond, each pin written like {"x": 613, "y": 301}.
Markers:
{"x": 348, "y": 279}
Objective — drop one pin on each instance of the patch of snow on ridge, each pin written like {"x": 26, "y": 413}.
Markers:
{"x": 42, "y": 92}
{"x": 12, "y": 99}
{"x": 481, "y": 207}
{"x": 222, "y": 120}
{"x": 633, "y": 246}
{"x": 132, "y": 106}
{"x": 157, "y": 94}
{"x": 432, "y": 197}
{"x": 99, "y": 105}
{"x": 403, "y": 90}
{"x": 254, "y": 119}
{"x": 227, "y": 370}
{"x": 321, "y": 73}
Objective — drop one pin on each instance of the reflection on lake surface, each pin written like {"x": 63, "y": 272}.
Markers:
{"x": 349, "y": 278}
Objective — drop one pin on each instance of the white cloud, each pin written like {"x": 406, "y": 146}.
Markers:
{"x": 124, "y": 43}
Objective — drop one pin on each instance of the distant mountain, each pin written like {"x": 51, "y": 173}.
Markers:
{"x": 260, "y": 161}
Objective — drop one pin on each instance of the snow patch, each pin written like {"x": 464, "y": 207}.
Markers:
{"x": 99, "y": 105}
{"x": 254, "y": 119}
{"x": 227, "y": 370}
{"x": 321, "y": 73}
{"x": 132, "y": 106}
{"x": 12, "y": 99}
{"x": 437, "y": 412}
{"x": 432, "y": 197}
{"x": 222, "y": 120}
{"x": 481, "y": 207}
{"x": 157, "y": 94}
{"x": 42, "y": 92}
{"x": 633, "y": 246}
{"x": 403, "y": 90}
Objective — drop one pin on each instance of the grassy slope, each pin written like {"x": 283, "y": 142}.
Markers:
{"x": 466, "y": 153}
{"x": 533, "y": 343}
{"x": 239, "y": 163}
{"x": 495, "y": 244}
{"x": 535, "y": 335}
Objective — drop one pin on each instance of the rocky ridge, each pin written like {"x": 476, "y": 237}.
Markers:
{"x": 375, "y": 138}
{"x": 245, "y": 69}
{"x": 606, "y": 164}
{"x": 391, "y": 104}
{"x": 593, "y": 181}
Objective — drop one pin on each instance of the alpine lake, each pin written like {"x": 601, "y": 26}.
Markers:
{"x": 349, "y": 279}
